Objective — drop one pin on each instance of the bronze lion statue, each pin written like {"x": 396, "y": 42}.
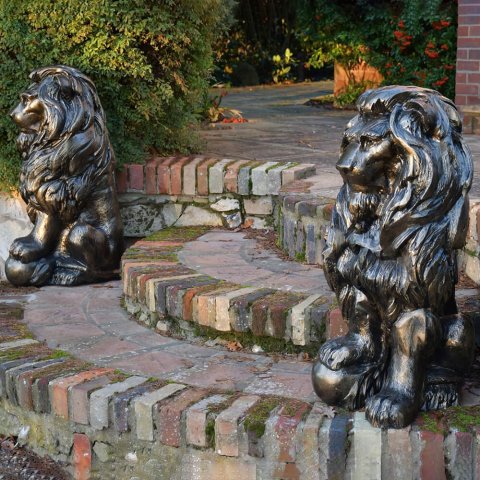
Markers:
{"x": 67, "y": 182}
{"x": 390, "y": 258}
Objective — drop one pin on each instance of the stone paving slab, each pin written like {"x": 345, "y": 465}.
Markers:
{"x": 233, "y": 257}
{"x": 281, "y": 127}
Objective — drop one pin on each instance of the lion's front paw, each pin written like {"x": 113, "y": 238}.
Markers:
{"x": 340, "y": 352}
{"x": 27, "y": 249}
{"x": 391, "y": 409}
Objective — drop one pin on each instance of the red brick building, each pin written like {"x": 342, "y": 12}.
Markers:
{"x": 467, "y": 92}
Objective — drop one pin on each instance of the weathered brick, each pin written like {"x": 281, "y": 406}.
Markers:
{"x": 190, "y": 176}
{"x": 285, "y": 432}
{"x": 215, "y": 174}
{"x": 82, "y": 457}
{"x": 196, "y": 420}
{"x": 300, "y": 320}
{"x": 432, "y": 463}
{"x": 143, "y": 408}
{"x": 332, "y": 440}
{"x": 99, "y": 400}
{"x": 170, "y": 414}
{"x": 244, "y": 179}
{"x": 151, "y": 176}
{"x": 397, "y": 454}
{"x": 79, "y": 407}
{"x": 191, "y": 293}
{"x": 175, "y": 293}
{"x": 459, "y": 454}
{"x": 135, "y": 177}
{"x": 176, "y": 175}
{"x": 308, "y": 459}
{"x": 222, "y": 307}
{"x": 274, "y": 178}
{"x": 22, "y": 342}
{"x": 226, "y": 426}
{"x": 241, "y": 316}
{"x": 120, "y": 404}
{"x": 161, "y": 289}
{"x": 297, "y": 172}
{"x": 259, "y": 177}
{"x": 58, "y": 389}
{"x": 121, "y": 179}
{"x": 366, "y": 449}
{"x": 202, "y": 175}
{"x": 40, "y": 389}
{"x": 336, "y": 325}
{"x": 19, "y": 382}
{"x": 163, "y": 176}
{"x": 231, "y": 176}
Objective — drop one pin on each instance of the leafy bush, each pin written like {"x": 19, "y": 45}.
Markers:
{"x": 411, "y": 42}
{"x": 150, "y": 61}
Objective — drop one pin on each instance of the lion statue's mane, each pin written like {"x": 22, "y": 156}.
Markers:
{"x": 67, "y": 181}
{"x": 71, "y": 157}
{"x": 424, "y": 210}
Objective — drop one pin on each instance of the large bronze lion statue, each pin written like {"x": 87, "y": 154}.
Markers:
{"x": 67, "y": 182}
{"x": 390, "y": 258}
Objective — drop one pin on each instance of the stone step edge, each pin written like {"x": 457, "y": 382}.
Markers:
{"x": 158, "y": 290}
{"x": 300, "y": 441}
{"x": 198, "y": 175}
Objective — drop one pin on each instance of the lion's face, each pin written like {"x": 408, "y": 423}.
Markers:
{"x": 367, "y": 157}
{"x": 29, "y": 114}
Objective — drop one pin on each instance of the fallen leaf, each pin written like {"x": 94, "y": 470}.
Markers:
{"x": 233, "y": 346}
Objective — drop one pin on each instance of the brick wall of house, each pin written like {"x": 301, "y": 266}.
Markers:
{"x": 467, "y": 94}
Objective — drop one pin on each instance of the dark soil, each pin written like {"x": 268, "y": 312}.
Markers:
{"x": 7, "y": 288}
{"x": 18, "y": 463}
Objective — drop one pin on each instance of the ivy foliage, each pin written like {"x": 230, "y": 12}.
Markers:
{"x": 150, "y": 61}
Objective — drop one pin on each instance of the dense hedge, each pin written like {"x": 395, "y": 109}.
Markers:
{"x": 411, "y": 42}
{"x": 150, "y": 60}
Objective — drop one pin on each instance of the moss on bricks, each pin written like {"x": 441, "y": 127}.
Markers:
{"x": 178, "y": 234}
{"x": 258, "y": 415}
{"x": 460, "y": 418}
{"x": 248, "y": 340}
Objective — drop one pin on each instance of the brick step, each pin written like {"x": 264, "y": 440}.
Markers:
{"x": 110, "y": 422}
{"x": 161, "y": 292}
{"x": 197, "y": 190}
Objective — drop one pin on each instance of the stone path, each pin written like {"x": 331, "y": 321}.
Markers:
{"x": 89, "y": 322}
{"x": 235, "y": 258}
{"x": 281, "y": 127}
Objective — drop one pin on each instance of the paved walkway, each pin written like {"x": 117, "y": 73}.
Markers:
{"x": 281, "y": 127}
{"x": 233, "y": 257}
{"x": 89, "y": 322}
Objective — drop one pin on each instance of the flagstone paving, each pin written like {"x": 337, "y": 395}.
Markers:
{"x": 282, "y": 128}
{"x": 96, "y": 328}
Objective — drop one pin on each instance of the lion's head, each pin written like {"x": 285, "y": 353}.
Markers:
{"x": 406, "y": 174}
{"x": 64, "y": 141}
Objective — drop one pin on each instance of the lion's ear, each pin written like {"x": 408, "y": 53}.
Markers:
{"x": 65, "y": 88}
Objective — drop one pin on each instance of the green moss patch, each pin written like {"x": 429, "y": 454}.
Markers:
{"x": 458, "y": 418}
{"x": 177, "y": 234}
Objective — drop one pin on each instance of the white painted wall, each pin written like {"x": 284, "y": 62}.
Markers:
{"x": 14, "y": 223}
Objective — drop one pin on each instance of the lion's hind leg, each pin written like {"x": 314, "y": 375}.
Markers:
{"x": 415, "y": 336}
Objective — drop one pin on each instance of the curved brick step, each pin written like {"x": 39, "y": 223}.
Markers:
{"x": 108, "y": 424}
{"x": 197, "y": 190}
{"x": 223, "y": 282}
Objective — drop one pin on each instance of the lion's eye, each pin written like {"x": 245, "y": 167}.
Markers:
{"x": 26, "y": 98}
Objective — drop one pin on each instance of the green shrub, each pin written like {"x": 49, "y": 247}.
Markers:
{"x": 150, "y": 61}
{"x": 411, "y": 42}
